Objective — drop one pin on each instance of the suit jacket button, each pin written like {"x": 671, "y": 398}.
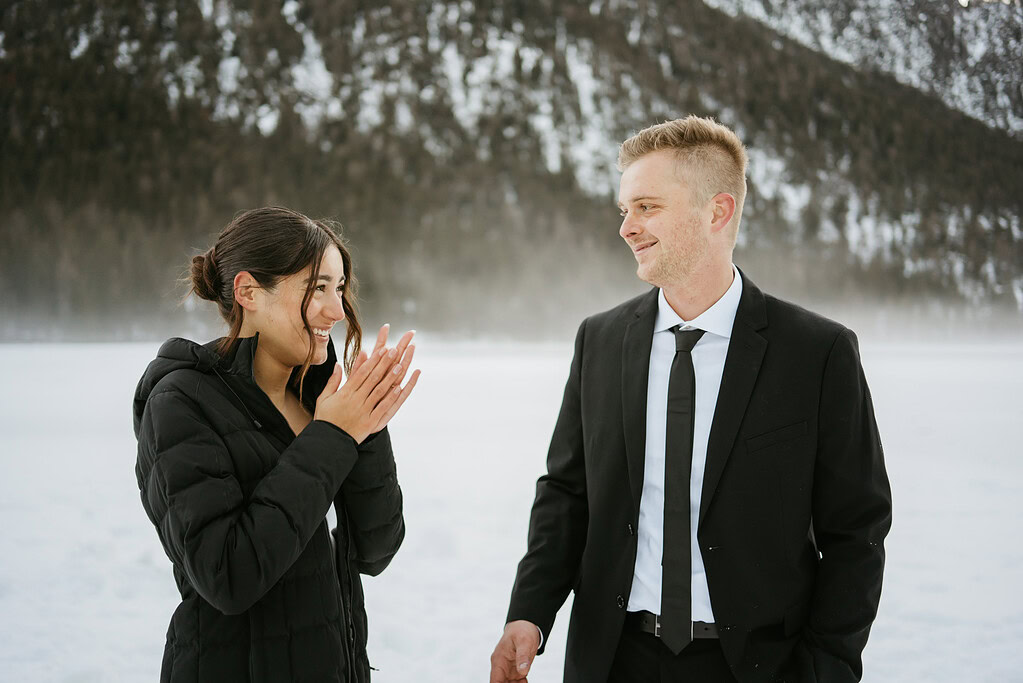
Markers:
{"x": 621, "y": 602}
{"x": 630, "y": 529}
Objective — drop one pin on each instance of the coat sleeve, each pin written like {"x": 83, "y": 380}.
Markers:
{"x": 232, "y": 549}
{"x": 372, "y": 498}
{"x": 852, "y": 513}
{"x": 557, "y": 524}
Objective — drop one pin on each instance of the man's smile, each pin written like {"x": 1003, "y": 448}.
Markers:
{"x": 638, "y": 249}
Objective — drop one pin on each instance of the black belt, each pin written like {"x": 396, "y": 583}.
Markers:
{"x": 649, "y": 622}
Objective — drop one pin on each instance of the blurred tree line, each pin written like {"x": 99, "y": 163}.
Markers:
{"x": 134, "y": 131}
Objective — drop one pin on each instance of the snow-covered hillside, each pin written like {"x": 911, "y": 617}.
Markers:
{"x": 969, "y": 54}
{"x": 469, "y": 148}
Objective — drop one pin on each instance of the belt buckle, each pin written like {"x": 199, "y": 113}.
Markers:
{"x": 657, "y": 625}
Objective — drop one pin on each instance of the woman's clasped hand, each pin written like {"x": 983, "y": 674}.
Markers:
{"x": 373, "y": 392}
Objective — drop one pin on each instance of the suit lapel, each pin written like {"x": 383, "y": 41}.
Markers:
{"x": 639, "y": 335}
{"x": 742, "y": 365}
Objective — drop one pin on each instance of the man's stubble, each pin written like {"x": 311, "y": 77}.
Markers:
{"x": 678, "y": 260}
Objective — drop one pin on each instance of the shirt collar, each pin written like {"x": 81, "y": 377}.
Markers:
{"x": 718, "y": 319}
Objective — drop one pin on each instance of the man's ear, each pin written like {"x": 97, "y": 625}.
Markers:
{"x": 247, "y": 291}
{"x": 722, "y": 210}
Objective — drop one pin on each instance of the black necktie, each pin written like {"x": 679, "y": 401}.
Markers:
{"x": 676, "y": 566}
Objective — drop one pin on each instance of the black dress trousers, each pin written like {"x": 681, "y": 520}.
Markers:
{"x": 644, "y": 658}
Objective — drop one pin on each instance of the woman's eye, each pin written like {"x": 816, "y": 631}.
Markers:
{"x": 321, "y": 288}
{"x": 340, "y": 288}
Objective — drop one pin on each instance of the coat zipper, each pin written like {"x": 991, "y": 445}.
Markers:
{"x": 341, "y": 606}
{"x": 351, "y": 596}
{"x": 255, "y": 422}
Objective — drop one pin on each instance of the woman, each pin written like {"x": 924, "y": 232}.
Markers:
{"x": 245, "y": 442}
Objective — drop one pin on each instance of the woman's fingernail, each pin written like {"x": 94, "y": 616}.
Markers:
{"x": 397, "y": 369}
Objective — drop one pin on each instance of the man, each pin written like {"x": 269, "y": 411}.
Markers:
{"x": 716, "y": 495}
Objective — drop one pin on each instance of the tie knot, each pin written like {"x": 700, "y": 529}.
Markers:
{"x": 685, "y": 340}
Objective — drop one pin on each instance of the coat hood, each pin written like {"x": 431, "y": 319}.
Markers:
{"x": 183, "y": 354}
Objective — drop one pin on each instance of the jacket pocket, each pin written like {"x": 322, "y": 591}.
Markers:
{"x": 776, "y": 436}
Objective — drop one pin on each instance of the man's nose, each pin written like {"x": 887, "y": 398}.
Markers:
{"x": 628, "y": 228}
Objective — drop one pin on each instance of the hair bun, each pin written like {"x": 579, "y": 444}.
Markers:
{"x": 205, "y": 276}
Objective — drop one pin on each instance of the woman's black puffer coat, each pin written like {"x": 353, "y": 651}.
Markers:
{"x": 240, "y": 502}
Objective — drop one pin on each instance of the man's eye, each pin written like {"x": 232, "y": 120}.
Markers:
{"x": 644, "y": 207}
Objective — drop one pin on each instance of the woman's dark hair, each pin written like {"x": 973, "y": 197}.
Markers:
{"x": 270, "y": 244}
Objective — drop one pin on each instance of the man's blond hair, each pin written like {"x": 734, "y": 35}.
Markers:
{"x": 711, "y": 158}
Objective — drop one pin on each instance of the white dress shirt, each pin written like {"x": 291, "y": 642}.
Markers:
{"x": 709, "y": 363}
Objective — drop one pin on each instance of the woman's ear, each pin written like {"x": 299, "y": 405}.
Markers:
{"x": 246, "y": 291}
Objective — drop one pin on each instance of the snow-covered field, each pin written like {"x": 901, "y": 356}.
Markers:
{"x": 86, "y": 590}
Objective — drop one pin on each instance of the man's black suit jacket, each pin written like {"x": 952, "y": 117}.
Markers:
{"x": 795, "y": 508}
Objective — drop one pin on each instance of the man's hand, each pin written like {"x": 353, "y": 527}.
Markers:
{"x": 514, "y": 652}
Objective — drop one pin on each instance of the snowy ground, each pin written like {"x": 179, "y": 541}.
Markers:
{"x": 86, "y": 590}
